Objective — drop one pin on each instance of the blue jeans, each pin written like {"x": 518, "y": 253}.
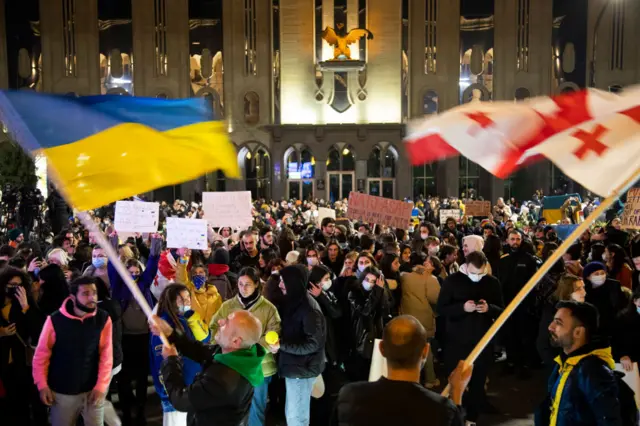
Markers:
{"x": 297, "y": 407}
{"x": 259, "y": 403}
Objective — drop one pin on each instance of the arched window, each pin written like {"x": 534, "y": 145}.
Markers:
{"x": 341, "y": 164}
{"x": 301, "y": 171}
{"x": 381, "y": 172}
{"x": 251, "y": 108}
{"x": 257, "y": 168}
{"x": 469, "y": 178}
{"x": 424, "y": 180}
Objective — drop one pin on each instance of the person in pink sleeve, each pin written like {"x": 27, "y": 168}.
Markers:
{"x": 72, "y": 363}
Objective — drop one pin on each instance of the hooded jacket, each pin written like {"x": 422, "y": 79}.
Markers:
{"x": 582, "y": 390}
{"x": 302, "y": 340}
{"x": 74, "y": 355}
{"x": 206, "y": 300}
{"x": 221, "y": 394}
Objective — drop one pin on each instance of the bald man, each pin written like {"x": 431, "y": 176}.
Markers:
{"x": 221, "y": 394}
{"x": 399, "y": 398}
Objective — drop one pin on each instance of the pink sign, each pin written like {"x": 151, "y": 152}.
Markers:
{"x": 379, "y": 210}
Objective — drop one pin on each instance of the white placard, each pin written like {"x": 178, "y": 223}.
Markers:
{"x": 325, "y": 212}
{"x": 136, "y": 216}
{"x": 378, "y": 363}
{"x": 189, "y": 233}
{"x": 632, "y": 379}
{"x": 444, "y": 214}
{"x": 227, "y": 209}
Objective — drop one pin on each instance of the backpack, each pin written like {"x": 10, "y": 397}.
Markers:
{"x": 626, "y": 396}
{"x": 223, "y": 285}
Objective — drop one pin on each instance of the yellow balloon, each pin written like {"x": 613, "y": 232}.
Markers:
{"x": 272, "y": 338}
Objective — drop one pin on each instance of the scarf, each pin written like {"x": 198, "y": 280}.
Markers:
{"x": 248, "y": 302}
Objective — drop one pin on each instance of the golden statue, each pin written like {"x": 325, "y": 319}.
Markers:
{"x": 341, "y": 41}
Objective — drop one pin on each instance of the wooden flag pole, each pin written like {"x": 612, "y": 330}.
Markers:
{"x": 542, "y": 271}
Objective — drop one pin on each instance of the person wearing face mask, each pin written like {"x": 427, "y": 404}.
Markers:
{"x": 249, "y": 298}
{"x": 98, "y": 267}
{"x": 70, "y": 380}
{"x": 390, "y": 268}
{"x": 570, "y": 287}
{"x": 433, "y": 246}
{"x": 174, "y": 306}
{"x": 626, "y": 337}
{"x": 135, "y": 331}
{"x": 470, "y": 300}
{"x": 312, "y": 257}
{"x": 605, "y": 294}
{"x": 370, "y": 308}
{"x": 206, "y": 298}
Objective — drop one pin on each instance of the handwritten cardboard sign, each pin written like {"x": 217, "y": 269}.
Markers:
{"x": 325, "y": 212}
{"x": 447, "y": 213}
{"x": 189, "y": 233}
{"x": 379, "y": 210}
{"x": 631, "y": 214}
{"x": 477, "y": 208}
{"x": 136, "y": 216}
{"x": 231, "y": 208}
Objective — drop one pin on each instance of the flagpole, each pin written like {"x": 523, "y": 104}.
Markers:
{"x": 542, "y": 271}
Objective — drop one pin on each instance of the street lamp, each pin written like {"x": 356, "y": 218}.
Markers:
{"x": 592, "y": 77}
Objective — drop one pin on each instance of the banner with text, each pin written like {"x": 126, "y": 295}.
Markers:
{"x": 189, "y": 233}
{"x": 227, "y": 209}
{"x": 631, "y": 215}
{"x": 136, "y": 216}
{"x": 379, "y": 210}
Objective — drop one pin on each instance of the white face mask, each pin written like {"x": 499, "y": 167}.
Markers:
{"x": 605, "y": 257}
{"x": 475, "y": 277}
{"x": 367, "y": 285}
{"x": 185, "y": 308}
{"x": 424, "y": 236}
{"x": 312, "y": 261}
{"x": 361, "y": 268}
{"x": 433, "y": 251}
{"x": 598, "y": 280}
{"x": 326, "y": 285}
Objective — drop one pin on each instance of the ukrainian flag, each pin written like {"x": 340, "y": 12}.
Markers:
{"x": 106, "y": 148}
{"x": 552, "y": 207}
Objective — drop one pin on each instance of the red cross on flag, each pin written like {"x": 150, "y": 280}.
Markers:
{"x": 592, "y": 136}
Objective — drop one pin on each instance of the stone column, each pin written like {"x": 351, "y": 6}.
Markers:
{"x": 4, "y": 77}
{"x": 70, "y": 55}
{"x": 161, "y": 48}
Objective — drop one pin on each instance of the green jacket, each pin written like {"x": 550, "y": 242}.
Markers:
{"x": 268, "y": 316}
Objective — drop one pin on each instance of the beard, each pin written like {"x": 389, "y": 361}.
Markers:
{"x": 85, "y": 308}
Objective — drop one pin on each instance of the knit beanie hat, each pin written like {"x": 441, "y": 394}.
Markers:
{"x": 593, "y": 267}
{"x": 221, "y": 257}
{"x": 14, "y": 234}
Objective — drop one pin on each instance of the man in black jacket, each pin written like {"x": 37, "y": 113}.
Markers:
{"x": 515, "y": 270}
{"x": 399, "y": 398}
{"x": 302, "y": 342}
{"x": 221, "y": 394}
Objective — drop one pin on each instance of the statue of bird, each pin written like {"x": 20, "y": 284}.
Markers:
{"x": 341, "y": 42}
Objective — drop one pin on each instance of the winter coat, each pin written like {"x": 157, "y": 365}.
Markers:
{"x": 205, "y": 300}
{"x": 11, "y": 348}
{"x": 516, "y": 268}
{"x": 268, "y": 316}
{"x": 609, "y": 300}
{"x": 582, "y": 390}
{"x": 420, "y": 292}
{"x": 626, "y": 337}
{"x": 369, "y": 312}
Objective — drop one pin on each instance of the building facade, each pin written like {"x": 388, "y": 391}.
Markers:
{"x": 305, "y": 124}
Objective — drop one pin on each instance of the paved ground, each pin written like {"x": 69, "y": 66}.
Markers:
{"x": 515, "y": 399}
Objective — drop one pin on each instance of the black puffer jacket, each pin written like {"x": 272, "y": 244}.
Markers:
{"x": 369, "y": 310}
{"x": 609, "y": 300}
{"x": 304, "y": 329}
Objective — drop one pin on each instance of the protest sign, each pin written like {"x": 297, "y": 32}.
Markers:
{"x": 227, "y": 209}
{"x": 325, "y": 212}
{"x": 632, "y": 379}
{"x": 445, "y": 214}
{"x": 379, "y": 210}
{"x": 477, "y": 208}
{"x": 378, "y": 363}
{"x": 189, "y": 233}
{"x": 631, "y": 214}
{"x": 136, "y": 217}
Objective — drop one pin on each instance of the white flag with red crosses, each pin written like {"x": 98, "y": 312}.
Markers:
{"x": 592, "y": 136}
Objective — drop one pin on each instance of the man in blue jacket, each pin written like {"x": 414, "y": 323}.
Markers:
{"x": 582, "y": 389}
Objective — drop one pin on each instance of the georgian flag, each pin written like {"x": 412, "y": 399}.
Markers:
{"x": 592, "y": 136}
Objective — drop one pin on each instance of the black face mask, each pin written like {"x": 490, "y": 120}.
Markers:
{"x": 85, "y": 308}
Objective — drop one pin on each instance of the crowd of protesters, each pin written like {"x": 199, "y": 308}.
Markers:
{"x": 72, "y": 335}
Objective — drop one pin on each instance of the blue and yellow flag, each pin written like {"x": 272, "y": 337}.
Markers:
{"x": 106, "y": 148}
{"x": 552, "y": 207}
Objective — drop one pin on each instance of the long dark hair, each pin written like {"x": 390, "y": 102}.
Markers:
{"x": 54, "y": 289}
{"x": 619, "y": 259}
{"x": 167, "y": 303}
{"x": 385, "y": 266}
{"x": 7, "y": 275}
{"x": 370, "y": 270}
